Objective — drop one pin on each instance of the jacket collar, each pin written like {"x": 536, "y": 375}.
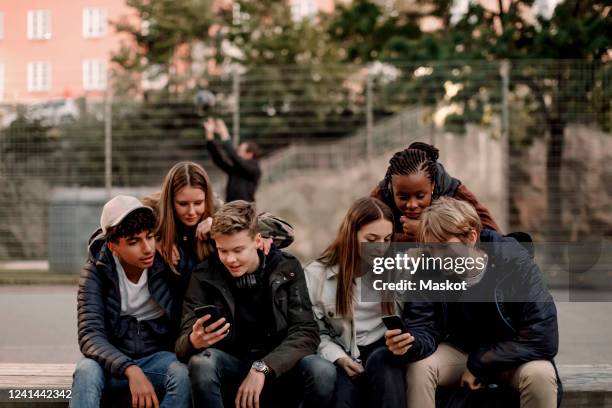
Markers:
{"x": 217, "y": 273}
{"x": 331, "y": 271}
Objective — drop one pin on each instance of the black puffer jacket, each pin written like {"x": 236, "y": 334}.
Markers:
{"x": 294, "y": 333}
{"x": 114, "y": 340}
{"x": 512, "y": 333}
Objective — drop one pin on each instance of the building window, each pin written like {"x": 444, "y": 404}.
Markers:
{"x": 39, "y": 76}
{"x": 1, "y": 25}
{"x": 236, "y": 14}
{"x": 94, "y": 75}
{"x": 39, "y": 24}
{"x": 94, "y": 22}
{"x": 303, "y": 9}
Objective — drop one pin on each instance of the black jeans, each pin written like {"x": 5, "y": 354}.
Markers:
{"x": 381, "y": 385}
{"x": 216, "y": 376}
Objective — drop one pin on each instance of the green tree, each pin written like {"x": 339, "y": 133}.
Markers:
{"x": 573, "y": 81}
{"x": 159, "y": 37}
{"x": 291, "y": 86}
{"x": 577, "y": 37}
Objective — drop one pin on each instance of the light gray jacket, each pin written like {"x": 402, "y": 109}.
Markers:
{"x": 338, "y": 337}
{"x": 338, "y": 334}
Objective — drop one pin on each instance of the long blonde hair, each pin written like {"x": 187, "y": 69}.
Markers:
{"x": 344, "y": 250}
{"x": 181, "y": 175}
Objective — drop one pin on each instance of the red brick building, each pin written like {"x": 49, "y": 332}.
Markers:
{"x": 52, "y": 49}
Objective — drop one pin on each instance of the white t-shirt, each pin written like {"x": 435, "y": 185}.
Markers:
{"x": 367, "y": 317}
{"x": 135, "y": 297}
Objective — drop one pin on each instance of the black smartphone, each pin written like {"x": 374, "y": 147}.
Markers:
{"x": 393, "y": 322}
{"x": 212, "y": 310}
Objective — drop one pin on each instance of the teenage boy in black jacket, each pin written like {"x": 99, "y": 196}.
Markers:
{"x": 128, "y": 313}
{"x": 511, "y": 338}
{"x": 265, "y": 342}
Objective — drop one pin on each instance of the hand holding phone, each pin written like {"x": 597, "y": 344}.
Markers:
{"x": 205, "y": 335}
{"x": 397, "y": 338}
{"x": 393, "y": 322}
{"x": 211, "y": 310}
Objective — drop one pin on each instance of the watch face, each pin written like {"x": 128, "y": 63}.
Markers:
{"x": 259, "y": 365}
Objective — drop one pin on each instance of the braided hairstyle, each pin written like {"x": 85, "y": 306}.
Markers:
{"x": 417, "y": 157}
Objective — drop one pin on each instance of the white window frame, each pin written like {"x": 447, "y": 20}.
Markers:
{"x": 304, "y": 9}
{"x": 94, "y": 22}
{"x": 94, "y": 74}
{"x": 236, "y": 16}
{"x": 39, "y": 76}
{"x": 39, "y": 25}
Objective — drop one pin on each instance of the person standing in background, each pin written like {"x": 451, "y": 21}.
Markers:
{"x": 241, "y": 165}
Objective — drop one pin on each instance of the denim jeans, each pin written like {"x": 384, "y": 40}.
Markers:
{"x": 380, "y": 386}
{"x": 169, "y": 377}
{"x": 216, "y": 376}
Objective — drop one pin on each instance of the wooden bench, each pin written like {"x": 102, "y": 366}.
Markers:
{"x": 20, "y": 376}
{"x": 585, "y": 385}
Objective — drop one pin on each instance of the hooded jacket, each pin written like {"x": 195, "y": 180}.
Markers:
{"x": 113, "y": 340}
{"x": 513, "y": 333}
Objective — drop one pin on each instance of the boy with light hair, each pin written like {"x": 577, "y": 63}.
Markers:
{"x": 263, "y": 346}
{"x": 472, "y": 344}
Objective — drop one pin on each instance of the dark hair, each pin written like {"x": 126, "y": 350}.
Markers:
{"x": 417, "y": 157}
{"x": 134, "y": 223}
{"x": 253, "y": 148}
{"x": 344, "y": 251}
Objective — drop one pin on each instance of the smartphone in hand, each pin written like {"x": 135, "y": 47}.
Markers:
{"x": 211, "y": 310}
{"x": 393, "y": 322}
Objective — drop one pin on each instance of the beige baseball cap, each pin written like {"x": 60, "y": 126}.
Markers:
{"x": 117, "y": 209}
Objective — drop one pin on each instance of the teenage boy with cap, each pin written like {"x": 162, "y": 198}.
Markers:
{"x": 263, "y": 346}
{"x": 128, "y": 313}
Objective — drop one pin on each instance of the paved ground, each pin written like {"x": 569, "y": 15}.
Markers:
{"x": 39, "y": 326}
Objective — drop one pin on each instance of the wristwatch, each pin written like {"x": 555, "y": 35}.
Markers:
{"x": 260, "y": 366}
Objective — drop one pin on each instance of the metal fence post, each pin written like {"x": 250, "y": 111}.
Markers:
{"x": 236, "y": 113}
{"x": 504, "y": 71}
{"x": 369, "y": 115}
{"x": 108, "y": 138}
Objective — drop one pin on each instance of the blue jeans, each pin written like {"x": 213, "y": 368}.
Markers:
{"x": 169, "y": 377}
{"x": 216, "y": 376}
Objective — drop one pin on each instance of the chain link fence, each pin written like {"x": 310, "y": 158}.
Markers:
{"x": 552, "y": 118}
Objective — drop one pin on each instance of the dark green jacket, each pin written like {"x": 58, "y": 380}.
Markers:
{"x": 294, "y": 334}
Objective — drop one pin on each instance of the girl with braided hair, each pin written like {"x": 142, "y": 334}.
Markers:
{"x": 413, "y": 180}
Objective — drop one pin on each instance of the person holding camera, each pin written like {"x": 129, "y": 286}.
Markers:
{"x": 241, "y": 165}
{"x": 256, "y": 339}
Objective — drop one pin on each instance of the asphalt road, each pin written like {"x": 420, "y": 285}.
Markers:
{"x": 39, "y": 326}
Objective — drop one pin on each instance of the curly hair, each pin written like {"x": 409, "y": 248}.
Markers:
{"x": 134, "y": 223}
